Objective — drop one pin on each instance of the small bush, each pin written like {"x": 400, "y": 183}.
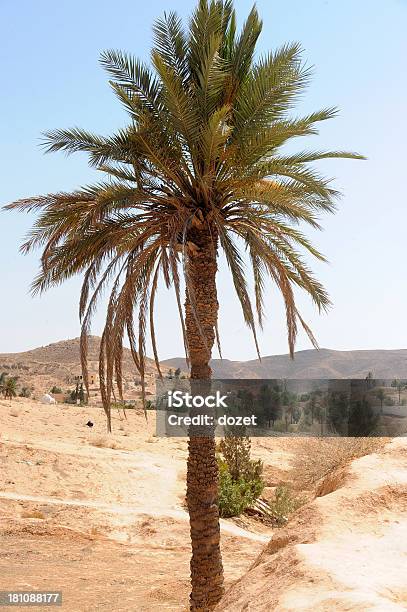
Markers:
{"x": 236, "y": 495}
{"x": 56, "y": 389}
{"x": 25, "y": 392}
{"x": 235, "y": 449}
{"x": 103, "y": 442}
{"x": 285, "y": 502}
{"x": 122, "y": 406}
{"x": 240, "y": 478}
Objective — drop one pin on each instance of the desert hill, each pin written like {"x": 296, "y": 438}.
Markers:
{"x": 59, "y": 363}
{"x": 322, "y": 363}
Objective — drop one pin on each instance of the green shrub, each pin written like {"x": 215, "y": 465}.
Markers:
{"x": 25, "y": 392}
{"x": 122, "y": 406}
{"x": 235, "y": 449}
{"x": 56, "y": 389}
{"x": 236, "y": 495}
{"x": 240, "y": 478}
{"x": 285, "y": 502}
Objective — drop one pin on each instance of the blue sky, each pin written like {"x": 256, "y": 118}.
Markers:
{"x": 51, "y": 78}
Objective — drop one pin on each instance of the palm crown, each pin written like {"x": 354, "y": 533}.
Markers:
{"x": 202, "y": 151}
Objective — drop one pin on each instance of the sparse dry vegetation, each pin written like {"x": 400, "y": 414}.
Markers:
{"x": 94, "y": 532}
{"x": 317, "y": 458}
{"x": 103, "y": 442}
{"x": 285, "y": 502}
{"x": 35, "y": 514}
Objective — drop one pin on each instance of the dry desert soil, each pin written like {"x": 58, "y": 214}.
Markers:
{"x": 103, "y": 520}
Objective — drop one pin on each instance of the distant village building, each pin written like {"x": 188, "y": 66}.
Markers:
{"x": 78, "y": 379}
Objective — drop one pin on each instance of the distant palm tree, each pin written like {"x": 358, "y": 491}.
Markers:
{"x": 369, "y": 380}
{"x": 199, "y": 169}
{"x": 312, "y": 402}
{"x": 399, "y": 385}
{"x": 3, "y": 378}
{"x": 381, "y": 396}
{"x": 8, "y": 386}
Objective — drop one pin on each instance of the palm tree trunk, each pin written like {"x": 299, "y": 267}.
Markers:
{"x": 201, "y": 312}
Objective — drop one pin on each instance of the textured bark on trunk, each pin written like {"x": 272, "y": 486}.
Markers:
{"x": 201, "y": 312}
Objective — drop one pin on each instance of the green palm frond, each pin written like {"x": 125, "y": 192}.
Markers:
{"x": 133, "y": 76}
{"x": 171, "y": 43}
{"x": 242, "y": 52}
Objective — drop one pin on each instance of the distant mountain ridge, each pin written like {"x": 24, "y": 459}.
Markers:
{"x": 313, "y": 363}
{"x": 58, "y": 363}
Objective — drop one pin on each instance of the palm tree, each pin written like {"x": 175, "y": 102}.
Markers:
{"x": 8, "y": 386}
{"x": 3, "y": 378}
{"x": 399, "y": 385}
{"x": 370, "y": 380}
{"x": 199, "y": 169}
{"x": 312, "y": 402}
{"x": 381, "y": 396}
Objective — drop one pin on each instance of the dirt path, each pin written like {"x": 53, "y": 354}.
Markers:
{"x": 226, "y": 527}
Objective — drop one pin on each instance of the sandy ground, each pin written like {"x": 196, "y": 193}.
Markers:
{"x": 346, "y": 550}
{"x": 102, "y": 519}
{"x": 112, "y": 531}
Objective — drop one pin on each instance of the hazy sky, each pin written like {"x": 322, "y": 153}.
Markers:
{"x": 50, "y": 78}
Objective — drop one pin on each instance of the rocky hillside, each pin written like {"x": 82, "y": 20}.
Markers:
{"x": 58, "y": 364}
{"x": 322, "y": 363}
